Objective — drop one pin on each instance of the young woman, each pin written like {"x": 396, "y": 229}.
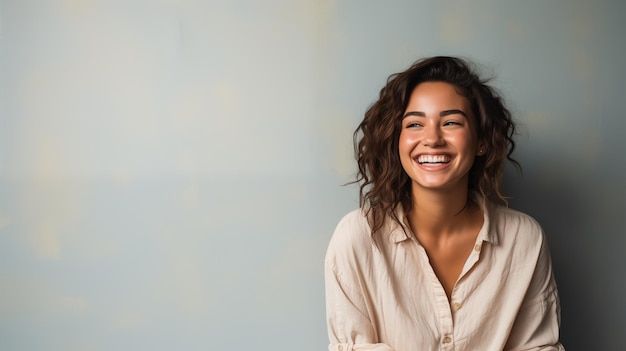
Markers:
{"x": 430, "y": 261}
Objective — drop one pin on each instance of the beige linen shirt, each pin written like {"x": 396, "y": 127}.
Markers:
{"x": 389, "y": 298}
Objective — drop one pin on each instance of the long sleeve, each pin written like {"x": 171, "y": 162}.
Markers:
{"x": 536, "y": 326}
{"x": 349, "y": 326}
{"x": 349, "y": 309}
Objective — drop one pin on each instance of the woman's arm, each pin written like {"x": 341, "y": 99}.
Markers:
{"x": 349, "y": 326}
{"x": 536, "y": 326}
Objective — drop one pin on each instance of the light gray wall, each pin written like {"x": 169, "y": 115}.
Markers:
{"x": 171, "y": 170}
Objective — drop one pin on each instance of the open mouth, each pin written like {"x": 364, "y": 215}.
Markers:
{"x": 433, "y": 159}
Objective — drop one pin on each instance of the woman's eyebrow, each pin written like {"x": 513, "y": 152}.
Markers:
{"x": 414, "y": 113}
{"x": 441, "y": 114}
{"x": 452, "y": 112}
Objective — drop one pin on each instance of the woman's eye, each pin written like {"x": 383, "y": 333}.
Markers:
{"x": 452, "y": 123}
{"x": 413, "y": 125}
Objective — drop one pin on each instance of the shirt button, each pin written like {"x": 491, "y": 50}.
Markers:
{"x": 340, "y": 347}
{"x": 477, "y": 247}
{"x": 456, "y": 305}
{"x": 447, "y": 340}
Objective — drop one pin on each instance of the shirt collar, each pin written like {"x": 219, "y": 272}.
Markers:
{"x": 487, "y": 232}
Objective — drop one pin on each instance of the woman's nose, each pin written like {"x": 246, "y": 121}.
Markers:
{"x": 432, "y": 136}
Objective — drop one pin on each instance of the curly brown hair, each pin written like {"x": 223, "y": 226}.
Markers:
{"x": 383, "y": 182}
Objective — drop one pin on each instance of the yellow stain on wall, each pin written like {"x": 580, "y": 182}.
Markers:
{"x": 516, "y": 30}
{"x": 122, "y": 176}
{"x": 127, "y": 321}
{"x": 313, "y": 18}
{"x": 582, "y": 65}
{"x": 26, "y": 295}
{"x": 46, "y": 201}
{"x": 76, "y": 7}
{"x": 537, "y": 120}
{"x": 189, "y": 107}
{"x": 451, "y": 30}
{"x": 228, "y": 98}
{"x": 190, "y": 195}
{"x": 187, "y": 162}
{"x": 46, "y": 243}
{"x": 590, "y": 149}
{"x": 5, "y": 221}
{"x": 581, "y": 35}
{"x": 72, "y": 304}
{"x": 191, "y": 292}
{"x": 52, "y": 205}
{"x": 452, "y": 25}
{"x": 50, "y": 161}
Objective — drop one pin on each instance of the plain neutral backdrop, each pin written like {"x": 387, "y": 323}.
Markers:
{"x": 171, "y": 171}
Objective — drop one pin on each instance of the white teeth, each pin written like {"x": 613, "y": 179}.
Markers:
{"x": 433, "y": 159}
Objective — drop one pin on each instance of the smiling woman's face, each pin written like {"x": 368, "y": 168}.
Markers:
{"x": 438, "y": 141}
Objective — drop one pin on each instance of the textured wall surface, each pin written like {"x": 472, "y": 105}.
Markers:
{"x": 171, "y": 171}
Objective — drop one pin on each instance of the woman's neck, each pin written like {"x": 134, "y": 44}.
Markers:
{"x": 437, "y": 213}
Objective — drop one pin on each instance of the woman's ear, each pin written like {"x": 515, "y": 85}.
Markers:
{"x": 482, "y": 149}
